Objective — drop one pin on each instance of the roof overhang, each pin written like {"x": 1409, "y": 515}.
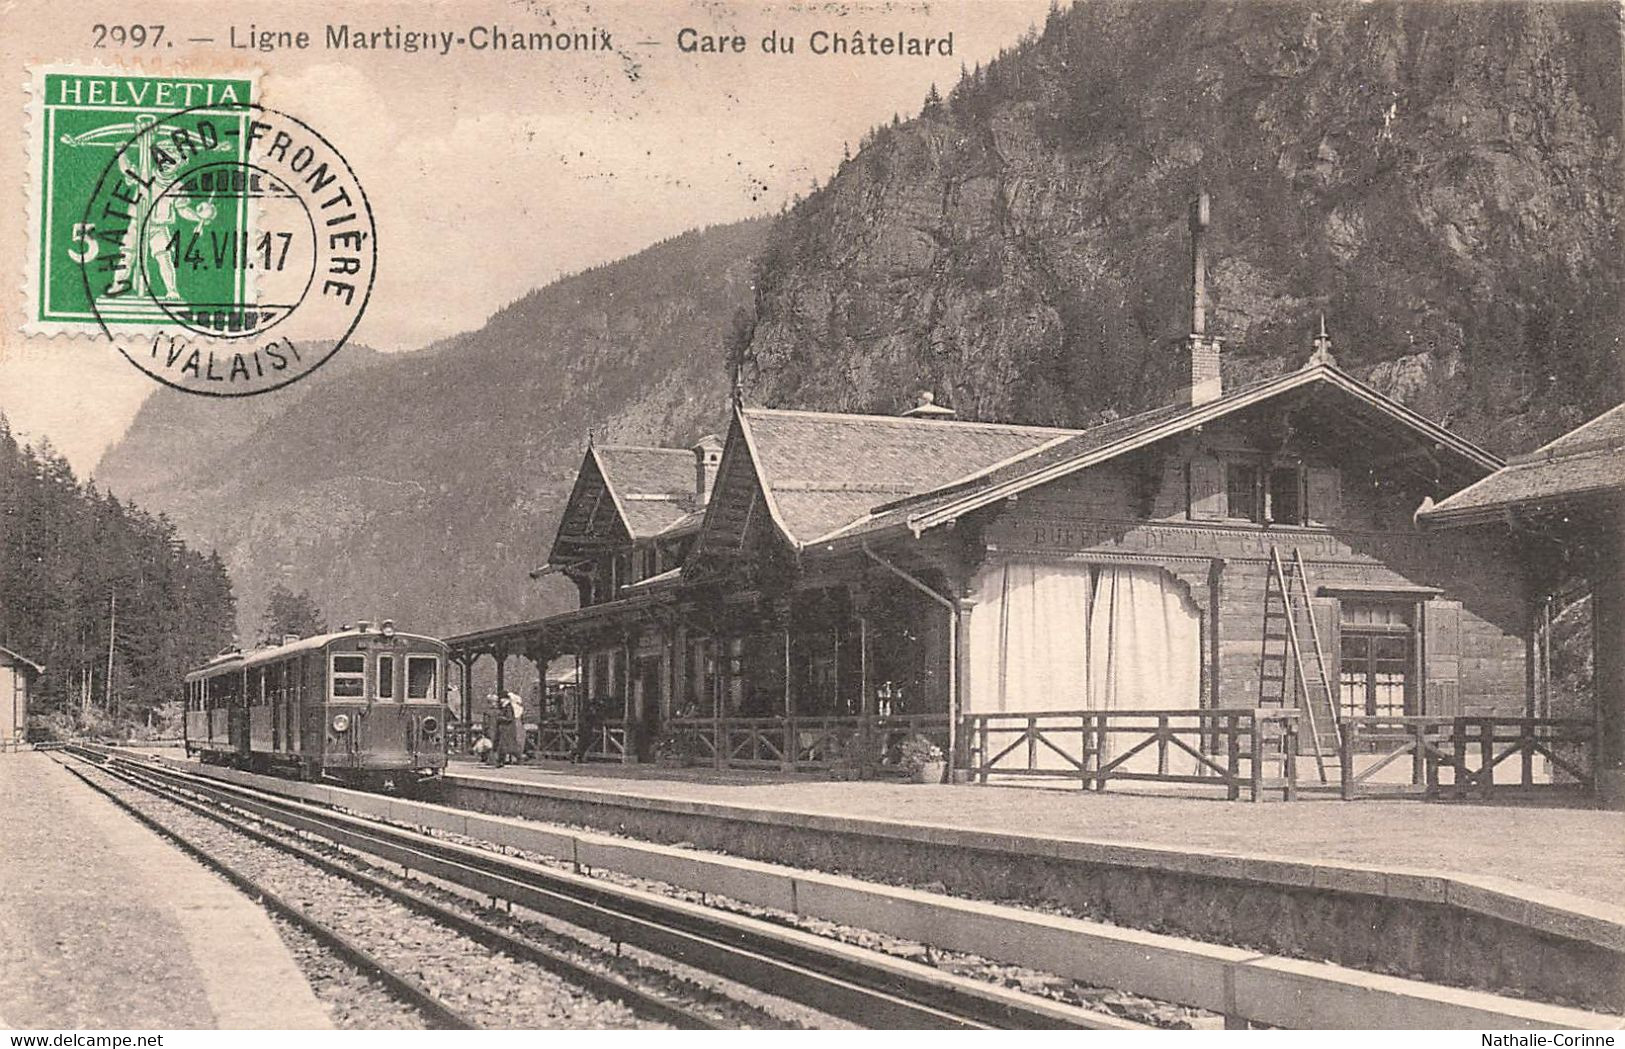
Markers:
{"x": 1329, "y": 375}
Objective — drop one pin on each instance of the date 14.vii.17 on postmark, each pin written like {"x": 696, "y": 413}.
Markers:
{"x": 223, "y": 247}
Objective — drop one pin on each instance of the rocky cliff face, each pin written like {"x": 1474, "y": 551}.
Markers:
{"x": 424, "y": 486}
{"x": 1442, "y": 180}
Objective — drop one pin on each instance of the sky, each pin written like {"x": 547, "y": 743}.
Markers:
{"x": 492, "y": 173}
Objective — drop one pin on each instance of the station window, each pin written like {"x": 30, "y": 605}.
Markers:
{"x": 1241, "y": 491}
{"x": 421, "y": 672}
{"x": 1286, "y": 495}
{"x": 349, "y": 676}
{"x": 386, "y": 677}
{"x": 1375, "y": 659}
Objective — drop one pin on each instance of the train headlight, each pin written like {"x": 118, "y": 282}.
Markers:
{"x": 430, "y": 725}
{"x": 341, "y": 722}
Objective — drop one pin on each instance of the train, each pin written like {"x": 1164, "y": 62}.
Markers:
{"x": 365, "y": 706}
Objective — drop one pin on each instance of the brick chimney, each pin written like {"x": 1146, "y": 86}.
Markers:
{"x": 1205, "y": 383}
{"x": 707, "y": 456}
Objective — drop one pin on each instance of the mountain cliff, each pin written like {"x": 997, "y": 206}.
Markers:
{"x": 1442, "y": 180}
{"x": 423, "y": 486}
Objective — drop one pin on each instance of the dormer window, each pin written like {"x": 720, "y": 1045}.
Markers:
{"x": 1241, "y": 492}
{"x": 1286, "y": 495}
{"x": 1273, "y": 495}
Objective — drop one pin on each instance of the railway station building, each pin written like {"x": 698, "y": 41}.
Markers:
{"x": 770, "y": 594}
{"x": 1566, "y": 501}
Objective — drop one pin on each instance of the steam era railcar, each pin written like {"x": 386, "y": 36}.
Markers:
{"x": 365, "y": 706}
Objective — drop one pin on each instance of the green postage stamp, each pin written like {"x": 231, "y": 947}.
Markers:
{"x": 115, "y": 266}
{"x": 223, "y": 247}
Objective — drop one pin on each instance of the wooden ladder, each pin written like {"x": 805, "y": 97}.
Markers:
{"x": 1283, "y": 654}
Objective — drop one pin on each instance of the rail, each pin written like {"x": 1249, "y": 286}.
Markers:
{"x": 1229, "y": 747}
{"x": 849, "y": 982}
{"x": 1471, "y": 749}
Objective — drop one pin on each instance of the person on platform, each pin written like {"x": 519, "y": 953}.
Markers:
{"x": 510, "y": 729}
{"x": 482, "y": 749}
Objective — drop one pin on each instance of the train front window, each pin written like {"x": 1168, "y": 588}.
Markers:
{"x": 386, "y": 677}
{"x": 349, "y": 677}
{"x": 421, "y": 672}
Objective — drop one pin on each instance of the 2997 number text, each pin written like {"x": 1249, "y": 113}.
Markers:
{"x": 126, "y": 35}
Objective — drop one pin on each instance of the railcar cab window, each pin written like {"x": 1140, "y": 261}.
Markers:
{"x": 421, "y": 672}
{"x": 349, "y": 676}
{"x": 386, "y": 677}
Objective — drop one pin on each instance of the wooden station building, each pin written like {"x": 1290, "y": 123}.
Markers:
{"x": 824, "y": 566}
{"x": 1567, "y": 498}
{"x": 812, "y": 575}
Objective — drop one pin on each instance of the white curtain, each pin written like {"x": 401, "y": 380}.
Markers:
{"x": 1029, "y": 638}
{"x": 1145, "y": 653}
{"x": 1029, "y": 647}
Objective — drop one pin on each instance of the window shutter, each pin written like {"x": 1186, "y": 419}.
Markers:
{"x": 1441, "y": 622}
{"x": 1207, "y": 489}
{"x": 1325, "y": 496}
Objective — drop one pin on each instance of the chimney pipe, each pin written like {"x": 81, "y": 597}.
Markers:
{"x": 1205, "y": 382}
{"x": 1200, "y": 216}
{"x": 707, "y": 457}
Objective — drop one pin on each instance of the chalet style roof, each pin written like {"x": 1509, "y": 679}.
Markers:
{"x": 622, "y": 493}
{"x": 652, "y": 487}
{"x": 832, "y": 481}
{"x": 1584, "y": 464}
{"x": 8, "y": 656}
{"x": 1347, "y": 396}
{"x": 822, "y": 470}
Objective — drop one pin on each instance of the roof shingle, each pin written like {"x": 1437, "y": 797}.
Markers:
{"x": 825, "y": 470}
{"x": 1586, "y": 461}
{"x": 653, "y": 486}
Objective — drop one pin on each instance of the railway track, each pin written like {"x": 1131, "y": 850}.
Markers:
{"x": 852, "y": 984}
{"x": 435, "y": 1012}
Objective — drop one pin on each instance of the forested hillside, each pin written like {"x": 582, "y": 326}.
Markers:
{"x": 424, "y": 486}
{"x": 79, "y": 568}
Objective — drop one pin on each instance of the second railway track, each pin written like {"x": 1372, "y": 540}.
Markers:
{"x": 850, "y": 984}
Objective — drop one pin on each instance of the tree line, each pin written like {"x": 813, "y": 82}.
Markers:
{"x": 105, "y": 595}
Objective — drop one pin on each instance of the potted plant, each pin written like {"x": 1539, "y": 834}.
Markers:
{"x": 923, "y": 760}
{"x": 672, "y": 750}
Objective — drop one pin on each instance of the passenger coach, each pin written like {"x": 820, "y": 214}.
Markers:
{"x": 366, "y": 706}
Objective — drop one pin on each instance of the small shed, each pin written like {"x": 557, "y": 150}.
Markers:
{"x": 1572, "y": 490}
{"x": 17, "y": 676}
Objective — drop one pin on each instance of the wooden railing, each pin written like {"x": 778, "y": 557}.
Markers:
{"x": 1230, "y": 747}
{"x": 1472, "y": 748}
{"x": 869, "y": 745}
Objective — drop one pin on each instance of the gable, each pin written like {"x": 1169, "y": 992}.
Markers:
{"x": 740, "y": 535}
{"x": 591, "y": 521}
{"x": 1368, "y": 424}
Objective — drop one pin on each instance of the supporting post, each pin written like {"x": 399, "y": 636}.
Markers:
{"x": 629, "y": 749}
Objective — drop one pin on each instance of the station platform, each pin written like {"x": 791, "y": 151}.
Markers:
{"x": 1491, "y": 897}
{"x": 105, "y": 925}
{"x": 1571, "y": 851}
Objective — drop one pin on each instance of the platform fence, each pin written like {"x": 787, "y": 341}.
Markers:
{"x": 1247, "y": 751}
{"x": 1533, "y": 755}
{"x": 862, "y": 746}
